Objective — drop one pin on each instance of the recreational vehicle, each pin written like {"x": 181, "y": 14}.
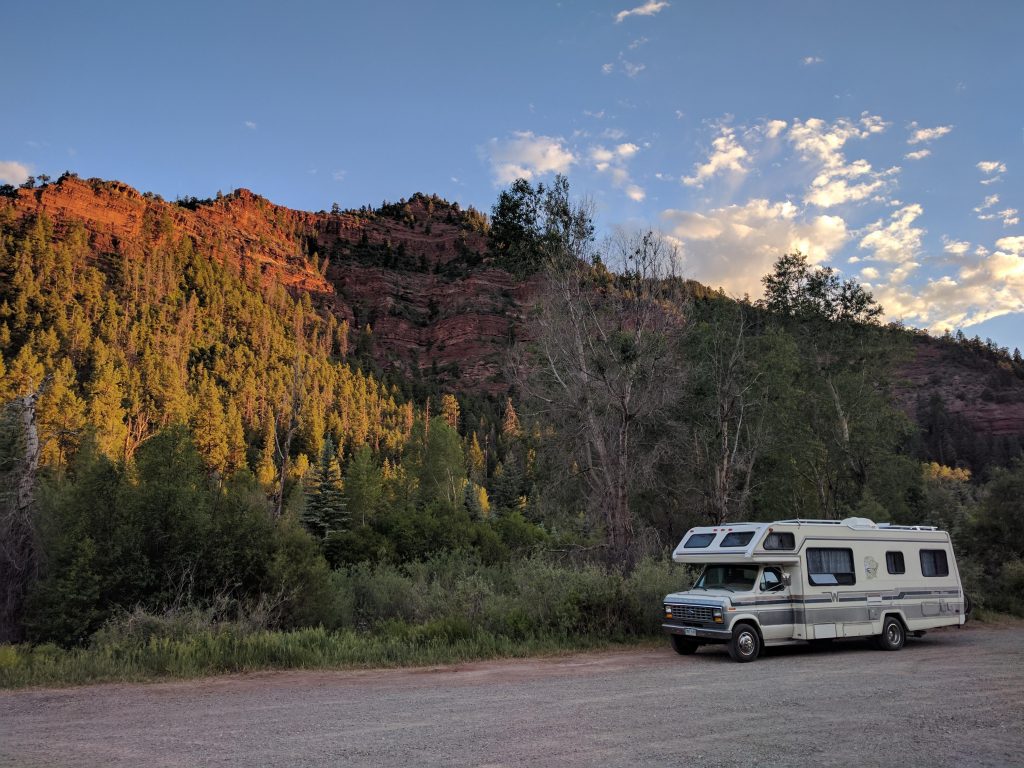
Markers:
{"x": 795, "y": 581}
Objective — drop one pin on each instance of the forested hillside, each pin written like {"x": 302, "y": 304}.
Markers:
{"x": 238, "y": 407}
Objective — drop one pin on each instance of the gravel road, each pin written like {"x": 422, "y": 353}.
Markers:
{"x": 955, "y": 697}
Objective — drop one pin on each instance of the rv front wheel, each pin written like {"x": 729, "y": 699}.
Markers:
{"x": 682, "y": 646}
{"x": 745, "y": 644}
{"x": 893, "y": 636}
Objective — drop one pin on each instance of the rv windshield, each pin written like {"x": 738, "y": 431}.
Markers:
{"x": 735, "y": 578}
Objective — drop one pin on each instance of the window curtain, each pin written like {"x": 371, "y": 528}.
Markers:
{"x": 830, "y": 561}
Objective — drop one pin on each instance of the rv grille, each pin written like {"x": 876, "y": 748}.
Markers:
{"x": 689, "y": 613}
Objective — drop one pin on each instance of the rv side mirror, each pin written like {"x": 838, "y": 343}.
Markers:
{"x": 786, "y": 579}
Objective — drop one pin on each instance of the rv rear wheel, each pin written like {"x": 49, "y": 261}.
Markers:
{"x": 683, "y": 646}
{"x": 893, "y": 636}
{"x": 745, "y": 644}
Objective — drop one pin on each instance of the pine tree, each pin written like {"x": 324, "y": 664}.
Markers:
{"x": 363, "y": 484}
{"x": 235, "y": 434}
{"x": 105, "y": 411}
{"x": 443, "y": 472}
{"x": 325, "y": 510}
{"x": 61, "y": 416}
{"x": 24, "y": 373}
{"x": 266, "y": 469}
{"x": 209, "y": 427}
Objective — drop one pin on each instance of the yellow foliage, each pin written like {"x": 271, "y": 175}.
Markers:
{"x": 940, "y": 473}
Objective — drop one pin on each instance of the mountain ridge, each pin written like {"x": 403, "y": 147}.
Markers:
{"x": 415, "y": 278}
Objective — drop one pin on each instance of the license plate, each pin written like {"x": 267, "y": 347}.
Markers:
{"x": 690, "y": 632}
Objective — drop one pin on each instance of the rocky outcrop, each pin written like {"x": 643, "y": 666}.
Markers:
{"x": 979, "y": 387}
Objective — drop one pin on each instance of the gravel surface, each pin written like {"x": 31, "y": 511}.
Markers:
{"x": 955, "y": 697}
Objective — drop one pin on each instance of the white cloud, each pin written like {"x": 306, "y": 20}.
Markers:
{"x": 250, "y": 125}
{"x": 734, "y": 246}
{"x": 635, "y": 193}
{"x": 955, "y": 247}
{"x": 527, "y": 155}
{"x": 898, "y": 240}
{"x": 918, "y": 154}
{"x": 774, "y": 128}
{"x": 727, "y": 156}
{"x": 608, "y": 68}
{"x": 613, "y": 162}
{"x": 637, "y": 43}
{"x": 1014, "y": 245}
{"x": 649, "y": 8}
{"x": 994, "y": 169}
{"x": 808, "y": 61}
{"x": 989, "y": 202}
{"x": 631, "y": 69}
{"x": 986, "y": 285}
{"x": 991, "y": 166}
{"x": 869, "y": 273}
{"x": 821, "y": 144}
{"x": 1008, "y": 216}
{"x": 12, "y": 172}
{"x": 926, "y": 135}
{"x": 339, "y": 175}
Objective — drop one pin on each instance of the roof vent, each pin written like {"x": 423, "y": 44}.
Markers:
{"x": 858, "y": 522}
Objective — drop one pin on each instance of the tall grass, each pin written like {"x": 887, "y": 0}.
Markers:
{"x": 450, "y": 609}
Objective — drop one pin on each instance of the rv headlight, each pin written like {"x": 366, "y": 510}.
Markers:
{"x": 716, "y": 614}
{"x": 668, "y": 611}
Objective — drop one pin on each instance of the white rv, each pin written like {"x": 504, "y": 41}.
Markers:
{"x": 792, "y": 581}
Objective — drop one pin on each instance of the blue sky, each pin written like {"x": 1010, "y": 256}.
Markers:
{"x": 884, "y": 139}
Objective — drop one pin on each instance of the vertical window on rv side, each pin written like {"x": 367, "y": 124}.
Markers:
{"x": 894, "y": 562}
{"x": 828, "y": 566}
{"x": 934, "y": 563}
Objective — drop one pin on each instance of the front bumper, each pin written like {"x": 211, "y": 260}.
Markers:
{"x": 721, "y": 635}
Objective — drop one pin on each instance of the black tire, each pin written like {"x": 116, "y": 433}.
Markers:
{"x": 684, "y": 646}
{"x": 968, "y": 606}
{"x": 745, "y": 644}
{"x": 893, "y": 635}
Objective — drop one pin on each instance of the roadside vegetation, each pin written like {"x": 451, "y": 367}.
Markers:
{"x": 450, "y": 608}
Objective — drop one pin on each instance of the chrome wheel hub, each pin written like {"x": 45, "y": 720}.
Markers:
{"x": 746, "y": 643}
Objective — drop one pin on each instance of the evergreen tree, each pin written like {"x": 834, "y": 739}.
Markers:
{"x": 443, "y": 472}
{"x": 325, "y": 510}
{"x": 105, "y": 410}
{"x": 210, "y": 428}
{"x": 363, "y": 485}
{"x": 266, "y": 469}
{"x": 61, "y": 416}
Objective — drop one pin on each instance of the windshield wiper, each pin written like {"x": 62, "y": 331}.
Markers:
{"x": 726, "y": 586}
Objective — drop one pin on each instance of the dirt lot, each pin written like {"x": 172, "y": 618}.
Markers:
{"x": 955, "y": 697}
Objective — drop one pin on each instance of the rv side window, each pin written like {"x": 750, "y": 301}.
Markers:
{"x": 830, "y": 566}
{"x": 780, "y": 541}
{"x": 699, "y": 541}
{"x": 933, "y": 562}
{"x": 738, "y": 539}
{"x": 894, "y": 562}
